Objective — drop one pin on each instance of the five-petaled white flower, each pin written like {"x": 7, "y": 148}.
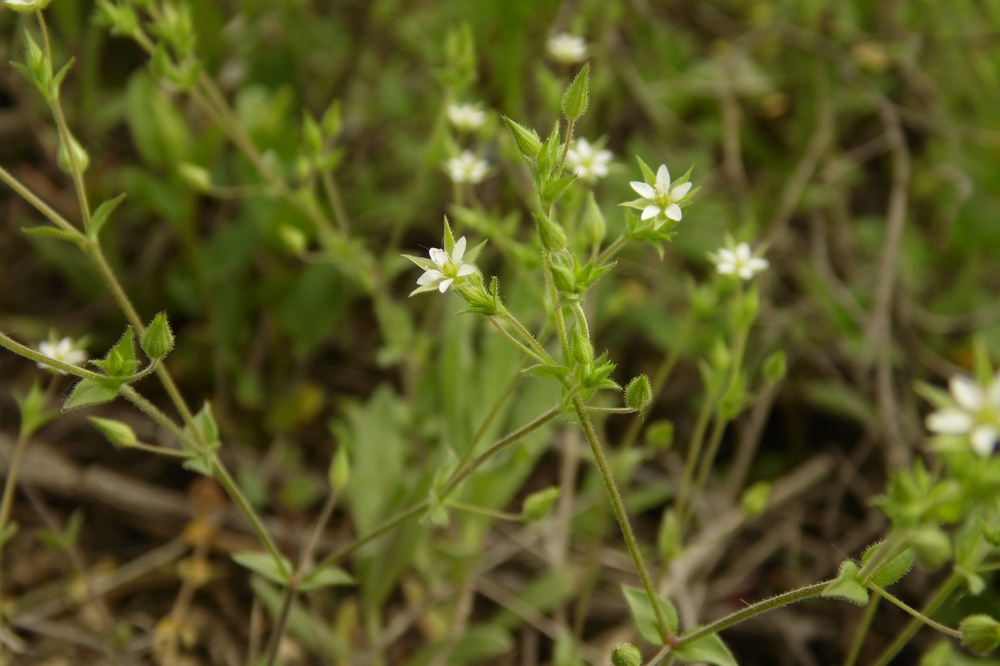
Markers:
{"x": 66, "y": 350}
{"x": 466, "y": 117}
{"x": 586, "y": 162}
{"x": 660, "y": 198}
{"x": 738, "y": 261}
{"x": 976, "y": 413}
{"x": 466, "y": 168}
{"x": 449, "y": 267}
{"x": 566, "y": 48}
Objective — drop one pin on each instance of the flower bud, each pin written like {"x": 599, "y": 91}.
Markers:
{"x": 340, "y": 469}
{"x": 552, "y": 235}
{"x": 582, "y": 348}
{"x": 660, "y": 434}
{"x": 576, "y": 99}
{"x": 594, "y": 228}
{"x": 80, "y": 158}
{"x": 537, "y": 505}
{"x": 118, "y": 433}
{"x": 639, "y": 393}
{"x": 525, "y": 138}
{"x": 157, "y": 340}
{"x": 626, "y": 655}
{"x": 195, "y": 176}
{"x": 755, "y": 498}
{"x": 980, "y": 633}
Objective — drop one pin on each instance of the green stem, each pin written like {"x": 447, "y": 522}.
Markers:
{"x": 940, "y": 596}
{"x": 156, "y": 414}
{"x": 39, "y": 205}
{"x": 619, "y": 508}
{"x": 7, "y": 504}
{"x": 807, "y": 592}
{"x": 954, "y": 633}
{"x": 556, "y": 308}
{"x": 861, "y": 632}
{"x": 336, "y": 202}
{"x": 490, "y": 416}
{"x": 569, "y": 140}
{"x": 528, "y": 337}
{"x": 227, "y": 481}
{"x": 13, "y": 345}
{"x": 520, "y": 345}
{"x": 694, "y": 450}
{"x": 500, "y": 515}
{"x": 611, "y": 250}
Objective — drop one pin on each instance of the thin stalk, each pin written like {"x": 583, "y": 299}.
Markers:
{"x": 611, "y": 250}
{"x": 861, "y": 632}
{"x": 946, "y": 589}
{"x": 528, "y": 337}
{"x": 569, "y": 140}
{"x": 336, "y": 202}
{"x": 7, "y": 504}
{"x": 154, "y": 413}
{"x": 694, "y": 450}
{"x": 619, "y": 508}
{"x": 457, "y": 478}
{"x": 39, "y": 205}
{"x": 556, "y": 309}
{"x": 13, "y": 345}
{"x": 500, "y": 515}
{"x": 64, "y": 133}
{"x": 233, "y": 489}
{"x": 714, "y": 440}
{"x": 807, "y": 592}
{"x": 520, "y": 345}
{"x": 160, "y": 450}
{"x": 490, "y": 416}
{"x": 954, "y": 633}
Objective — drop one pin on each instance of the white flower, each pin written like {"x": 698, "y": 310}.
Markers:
{"x": 24, "y": 6}
{"x": 66, "y": 350}
{"x": 466, "y": 168}
{"x": 466, "y": 117}
{"x": 976, "y": 413}
{"x": 738, "y": 261}
{"x": 660, "y": 198}
{"x": 586, "y": 162}
{"x": 566, "y": 48}
{"x": 449, "y": 267}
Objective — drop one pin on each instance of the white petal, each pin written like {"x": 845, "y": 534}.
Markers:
{"x": 756, "y": 264}
{"x": 967, "y": 393}
{"x": 743, "y": 252}
{"x": 725, "y": 267}
{"x": 950, "y": 421}
{"x": 430, "y": 277}
{"x": 600, "y": 170}
{"x": 438, "y": 256}
{"x": 443, "y": 287}
{"x": 466, "y": 269}
{"x": 650, "y": 211}
{"x": 674, "y": 212}
{"x": 663, "y": 178}
{"x": 993, "y": 392}
{"x": 984, "y": 440}
{"x": 680, "y": 191}
{"x": 644, "y": 190}
{"x": 458, "y": 250}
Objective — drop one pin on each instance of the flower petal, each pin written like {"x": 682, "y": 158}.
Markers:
{"x": 680, "y": 191}
{"x": 644, "y": 190}
{"x": 438, "y": 256}
{"x": 430, "y": 277}
{"x": 984, "y": 440}
{"x": 674, "y": 212}
{"x": 458, "y": 250}
{"x": 650, "y": 211}
{"x": 950, "y": 421}
{"x": 663, "y": 178}
{"x": 466, "y": 269}
{"x": 967, "y": 393}
{"x": 743, "y": 252}
{"x": 756, "y": 264}
{"x": 443, "y": 287}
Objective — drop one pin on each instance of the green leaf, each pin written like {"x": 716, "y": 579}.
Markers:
{"x": 708, "y": 650}
{"x": 120, "y": 361}
{"x": 102, "y": 215}
{"x": 891, "y": 571}
{"x": 33, "y": 412}
{"x": 645, "y": 616}
{"x": 576, "y": 99}
{"x": 53, "y": 232}
{"x": 328, "y": 576}
{"x": 91, "y": 392}
{"x": 265, "y": 565}
{"x": 546, "y": 370}
{"x": 847, "y": 586}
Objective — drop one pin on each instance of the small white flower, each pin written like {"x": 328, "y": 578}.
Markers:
{"x": 738, "y": 261}
{"x": 466, "y": 168}
{"x": 976, "y": 413}
{"x": 24, "y": 6}
{"x": 66, "y": 350}
{"x": 586, "y": 162}
{"x": 449, "y": 267}
{"x": 466, "y": 117}
{"x": 660, "y": 198}
{"x": 567, "y": 49}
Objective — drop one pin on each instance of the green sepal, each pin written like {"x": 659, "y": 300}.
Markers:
{"x": 980, "y": 633}
{"x": 847, "y": 586}
{"x": 157, "y": 340}
{"x": 548, "y": 157}
{"x": 120, "y": 362}
{"x": 546, "y": 370}
{"x": 101, "y": 216}
{"x": 119, "y": 434}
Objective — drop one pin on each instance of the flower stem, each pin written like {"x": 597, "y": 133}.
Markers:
{"x": 569, "y": 140}
{"x": 954, "y": 633}
{"x": 520, "y": 345}
{"x": 556, "y": 309}
{"x": 619, "y": 508}
{"x": 6, "y": 505}
{"x": 861, "y": 632}
{"x": 39, "y": 205}
{"x": 227, "y": 481}
{"x": 940, "y": 596}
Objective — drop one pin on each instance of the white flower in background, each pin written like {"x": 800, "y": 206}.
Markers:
{"x": 66, "y": 350}
{"x": 738, "y": 261}
{"x": 566, "y": 48}
{"x": 449, "y": 267}
{"x": 586, "y": 162}
{"x": 466, "y": 117}
{"x": 659, "y": 198}
{"x": 24, "y": 6}
{"x": 466, "y": 168}
{"x": 976, "y": 413}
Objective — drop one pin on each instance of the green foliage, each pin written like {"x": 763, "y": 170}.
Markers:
{"x": 645, "y": 617}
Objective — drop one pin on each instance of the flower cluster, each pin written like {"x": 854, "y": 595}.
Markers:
{"x": 975, "y": 413}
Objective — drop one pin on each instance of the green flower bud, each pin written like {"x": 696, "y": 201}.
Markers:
{"x": 552, "y": 235}
{"x": 576, "y": 99}
{"x": 594, "y": 228}
{"x": 582, "y": 348}
{"x": 340, "y": 469}
{"x": 80, "y": 157}
{"x": 197, "y": 177}
{"x": 293, "y": 239}
{"x": 626, "y": 655}
{"x": 660, "y": 434}
{"x": 980, "y": 633}
{"x": 639, "y": 393}
{"x": 118, "y": 433}
{"x": 537, "y": 505}
{"x": 157, "y": 340}
{"x": 755, "y": 497}
{"x": 525, "y": 138}
{"x": 669, "y": 540}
